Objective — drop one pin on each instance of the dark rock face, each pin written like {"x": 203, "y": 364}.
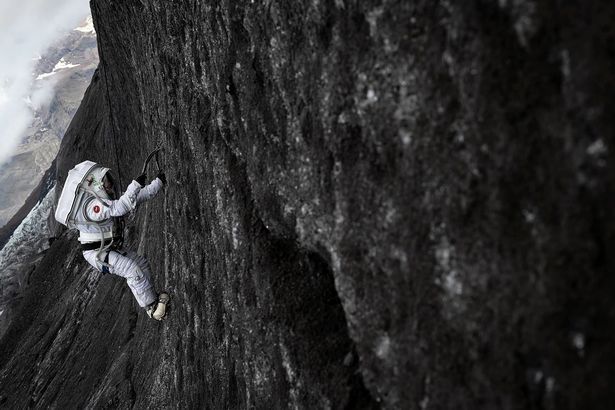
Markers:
{"x": 399, "y": 204}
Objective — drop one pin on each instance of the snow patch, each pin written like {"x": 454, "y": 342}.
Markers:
{"x": 61, "y": 65}
{"x": 45, "y": 75}
{"x": 87, "y": 27}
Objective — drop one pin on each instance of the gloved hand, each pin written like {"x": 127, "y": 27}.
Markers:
{"x": 141, "y": 179}
{"x": 161, "y": 176}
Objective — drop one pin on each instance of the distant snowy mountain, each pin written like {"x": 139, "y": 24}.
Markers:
{"x": 59, "y": 80}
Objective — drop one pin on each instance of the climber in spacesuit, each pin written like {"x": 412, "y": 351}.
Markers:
{"x": 89, "y": 202}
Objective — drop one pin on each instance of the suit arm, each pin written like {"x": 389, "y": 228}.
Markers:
{"x": 149, "y": 191}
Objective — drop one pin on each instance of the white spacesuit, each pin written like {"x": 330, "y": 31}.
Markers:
{"x": 88, "y": 203}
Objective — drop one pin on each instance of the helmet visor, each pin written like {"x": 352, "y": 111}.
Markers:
{"x": 109, "y": 185}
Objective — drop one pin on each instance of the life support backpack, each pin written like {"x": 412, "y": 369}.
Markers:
{"x": 84, "y": 183}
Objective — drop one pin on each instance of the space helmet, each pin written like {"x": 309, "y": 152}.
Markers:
{"x": 85, "y": 179}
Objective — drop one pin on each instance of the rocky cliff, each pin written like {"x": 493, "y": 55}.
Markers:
{"x": 370, "y": 204}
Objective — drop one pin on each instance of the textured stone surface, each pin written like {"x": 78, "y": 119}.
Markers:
{"x": 396, "y": 204}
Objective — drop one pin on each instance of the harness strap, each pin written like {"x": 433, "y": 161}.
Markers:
{"x": 90, "y": 246}
{"x": 105, "y": 267}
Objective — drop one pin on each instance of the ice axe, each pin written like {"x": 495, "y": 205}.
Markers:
{"x": 152, "y": 154}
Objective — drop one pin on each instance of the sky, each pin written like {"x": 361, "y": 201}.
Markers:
{"x": 27, "y": 29}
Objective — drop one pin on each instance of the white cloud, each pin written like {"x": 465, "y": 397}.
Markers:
{"x": 27, "y": 29}
{"x": 42, "y": 93}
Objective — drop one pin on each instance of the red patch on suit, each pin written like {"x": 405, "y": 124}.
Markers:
{"x": 96, "y": 209}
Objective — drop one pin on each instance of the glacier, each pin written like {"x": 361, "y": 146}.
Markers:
{"x": 22, "y": 252}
